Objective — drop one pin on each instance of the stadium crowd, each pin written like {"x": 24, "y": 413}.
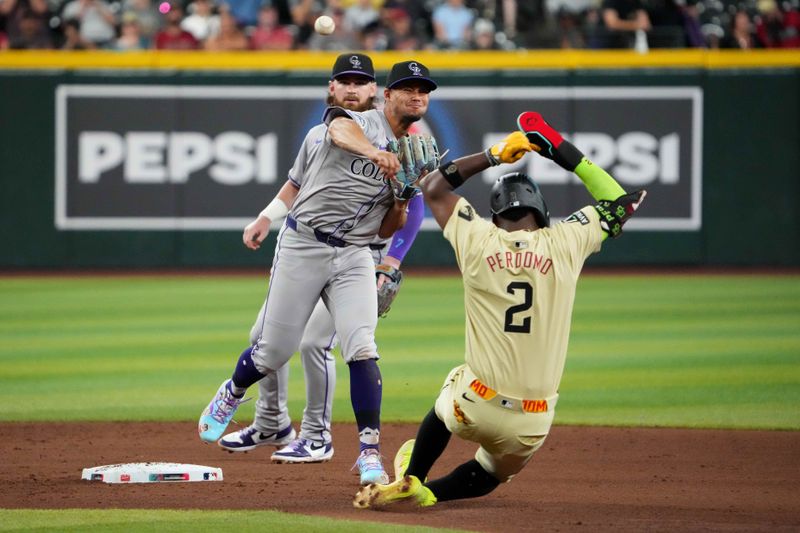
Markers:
{"x": 398, "y": 24}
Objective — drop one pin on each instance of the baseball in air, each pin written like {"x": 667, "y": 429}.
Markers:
{"x": 324, "y": 25}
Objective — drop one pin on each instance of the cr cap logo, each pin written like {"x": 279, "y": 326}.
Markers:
{"x": 356, "y": 62}
{"x": 415, "y": 70}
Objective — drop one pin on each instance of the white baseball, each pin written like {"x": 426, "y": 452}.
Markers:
{"x": 324, "y": 25}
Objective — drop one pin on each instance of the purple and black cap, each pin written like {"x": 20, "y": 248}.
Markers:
{"x": 410, "y": 71}
{"x": 359, "y": 64}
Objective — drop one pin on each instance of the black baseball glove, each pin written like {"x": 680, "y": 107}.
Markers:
{"x": 388, "y": 291}
{"x": 418, "y": 155}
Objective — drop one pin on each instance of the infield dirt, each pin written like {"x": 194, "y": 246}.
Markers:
{"x": 583, "y": 479}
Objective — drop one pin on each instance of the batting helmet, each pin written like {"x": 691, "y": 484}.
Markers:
{"x": 517, "y": 190}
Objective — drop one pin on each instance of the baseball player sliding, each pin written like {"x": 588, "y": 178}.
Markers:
{"x": 519, "y": 275}
{"x": 352, "y": 86}
{"x": 347, "y": 196}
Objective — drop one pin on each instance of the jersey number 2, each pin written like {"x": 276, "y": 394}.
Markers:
{"x": 525, "y": 327}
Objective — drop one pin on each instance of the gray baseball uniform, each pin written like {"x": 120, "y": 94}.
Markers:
{"x": 319, "y": 338}
{"x": 322, "y": 249}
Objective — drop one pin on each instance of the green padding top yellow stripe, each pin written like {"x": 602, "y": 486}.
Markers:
{"x": 476, "y": 61}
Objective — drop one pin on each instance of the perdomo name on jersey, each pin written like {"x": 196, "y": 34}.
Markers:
{"x": 504, "y": 260}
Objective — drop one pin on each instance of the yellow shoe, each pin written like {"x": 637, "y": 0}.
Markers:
{"x": 402, "y": 458}
{"x": 407, "y": 488}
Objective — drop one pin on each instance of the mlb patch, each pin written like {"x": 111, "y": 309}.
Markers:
{"x": 578, "y": 216}
{"x": 520, "y": 245}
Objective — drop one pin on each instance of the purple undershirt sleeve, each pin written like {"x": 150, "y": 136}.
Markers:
{"x": 404, "y": 237}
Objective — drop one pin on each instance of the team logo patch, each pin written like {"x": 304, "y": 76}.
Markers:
{"x": 415, "y": 70}
{"x": 467, "y": 213}
{"x": 356, "y": 62}
{"x": 578, "y": 216}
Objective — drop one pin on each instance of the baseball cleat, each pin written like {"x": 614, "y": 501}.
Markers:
{"x": 251, "y": 438}
{"x": 407, "y": 488}
{"x": 219, "y": 413}
{"x": 304, "y": 451}
{"x": 370, "y": 468}
{"x": 402, "y": 458}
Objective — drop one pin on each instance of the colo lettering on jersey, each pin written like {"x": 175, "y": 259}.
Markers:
{"x": 366, "y": 168}
{"x": 503, "y": 260}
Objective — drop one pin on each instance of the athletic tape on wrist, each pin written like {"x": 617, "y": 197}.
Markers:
{"x": 450, "y": 172}
{"x": 275, "y": 210}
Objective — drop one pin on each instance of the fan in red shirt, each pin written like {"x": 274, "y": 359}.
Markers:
{"x": 172, "y": 37}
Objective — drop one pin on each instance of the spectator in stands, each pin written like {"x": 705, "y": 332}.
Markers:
{"x": 374, "y": 37}
{"x": 3, "y": 41}
{"x": 569, "y": 15}
{"x": 452, "y": 24}
{"x": 692, "y": 27}
{"x": 98, "y": 23}
{"x": 304, "y": 13}
{"x": 244, "y": 11}
{"x": 342, "y": 39}
{"x": 622, "y": 19}
{"x": 202, "y": 23}
{"x": 667, "y": 20}
{"x": 23, "y": 17}
{"x": 72, "y": 40}
{"x": 172, "y": 37}
{"x": 483, "y": 36}
{"x": 147, "y": 16}
{"x": 270, "y": 34}
{"x": 130, "y": 34}
{"x": 30, "y": 35}
{"x": 401, "y": 33}
{"x": 742, "y": 33}
{"x": 778, "y": 28}
{"x": 361, "y": 13}
{"x": 230, "y": 36}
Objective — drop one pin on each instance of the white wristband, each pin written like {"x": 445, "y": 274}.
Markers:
{"x": 275, "y": 210}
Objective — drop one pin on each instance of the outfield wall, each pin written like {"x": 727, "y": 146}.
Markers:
{"x": 149, "y": 160}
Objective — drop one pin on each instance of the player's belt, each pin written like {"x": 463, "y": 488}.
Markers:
{"x": 321, "y": 236}
{"x": 490, "y": 395}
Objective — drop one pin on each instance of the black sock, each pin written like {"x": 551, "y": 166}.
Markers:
{"x": 469, "y": 480}
{"x": 432, "y": 439}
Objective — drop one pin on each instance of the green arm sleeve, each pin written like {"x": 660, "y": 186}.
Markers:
{"x": 599, "y": 182}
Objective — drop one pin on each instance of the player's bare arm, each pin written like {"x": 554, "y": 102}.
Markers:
{"x": 394, "y": 219}
{"x": 256, "y": 231}
{"x": 438, "y": 186}
{"x": 614, "y": 206}
{"x": 346, "y": 134}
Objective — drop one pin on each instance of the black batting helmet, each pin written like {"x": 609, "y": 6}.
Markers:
{"x": 517, "y": 190}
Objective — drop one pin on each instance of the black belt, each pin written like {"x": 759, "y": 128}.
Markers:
{"x": 327, "y": 238}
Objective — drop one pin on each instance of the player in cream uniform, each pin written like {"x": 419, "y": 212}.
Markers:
{"x": 520, "y": 275}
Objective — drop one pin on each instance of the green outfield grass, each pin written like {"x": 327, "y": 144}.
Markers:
{"x": 658, "y": 350}
{"x": 124, "y": 521}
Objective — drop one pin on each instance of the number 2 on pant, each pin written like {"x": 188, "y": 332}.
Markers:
{"x": 526, "y": 304}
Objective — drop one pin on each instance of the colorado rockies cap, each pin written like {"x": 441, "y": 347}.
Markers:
{"x": 353, "y": 64}
{"x": 409, "y": 70}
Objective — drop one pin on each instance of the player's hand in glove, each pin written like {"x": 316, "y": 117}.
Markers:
{"x": 614, "y": 213}
{"x": 255, "y": 232}
{"x": 509, "y": 150}
{"x": 389, "y": 280}
{"x": 548, "y": 142}
{"x": 418, "y": 155}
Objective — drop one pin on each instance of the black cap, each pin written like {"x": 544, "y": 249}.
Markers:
{"x": 353, "y": 64}
{"x": 409, "y": 70}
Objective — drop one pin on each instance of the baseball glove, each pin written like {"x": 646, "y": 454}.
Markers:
{"x": 418, "y": 155}
{"x": 388, "y": 291}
